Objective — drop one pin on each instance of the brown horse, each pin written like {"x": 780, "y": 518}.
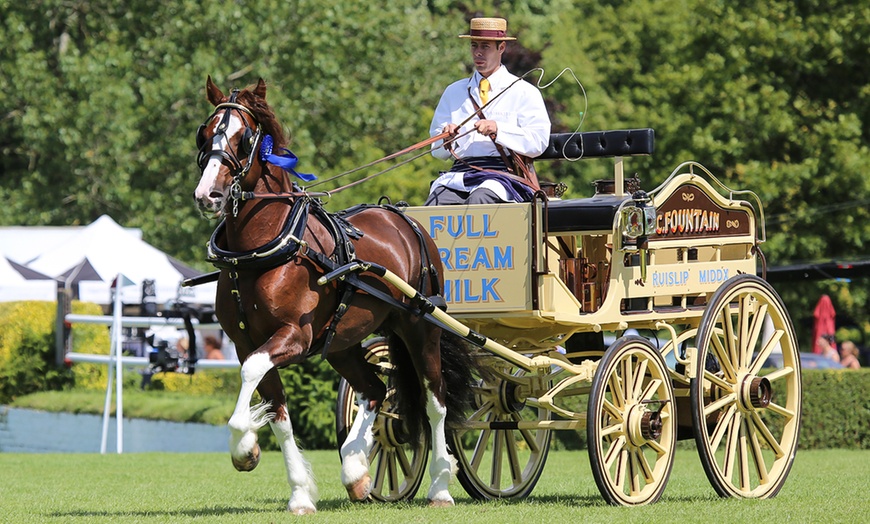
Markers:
{"x": 272, "y": 246}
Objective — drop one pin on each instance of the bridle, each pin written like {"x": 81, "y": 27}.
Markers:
{"x": 247, "y": 148}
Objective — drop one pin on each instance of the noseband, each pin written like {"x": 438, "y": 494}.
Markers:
{"x": 248, "y": 146}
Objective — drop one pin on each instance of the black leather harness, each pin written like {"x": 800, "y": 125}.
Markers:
{"x": 289, "y": 244}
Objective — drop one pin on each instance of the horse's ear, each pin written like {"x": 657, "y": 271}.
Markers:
{"x": 212, "y": 92}
{"x": 260, "y": 90}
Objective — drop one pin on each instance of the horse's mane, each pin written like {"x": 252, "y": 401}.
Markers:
{"x": 264, "y": 115}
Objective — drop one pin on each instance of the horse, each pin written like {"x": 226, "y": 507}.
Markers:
{"x": 272, "y": 244}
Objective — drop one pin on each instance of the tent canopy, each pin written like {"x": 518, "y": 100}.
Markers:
{"x": 18, "y": 282}
{"x": 94, "y": 256}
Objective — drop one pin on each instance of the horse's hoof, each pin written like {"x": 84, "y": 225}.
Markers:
{"x": 249, "y": 462}
{"x": 440, "y": 503}
{"x": 303, "y": 511}
{"x": 361, "y": 489}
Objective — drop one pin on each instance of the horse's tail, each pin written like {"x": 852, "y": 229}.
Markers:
{"x": 457, "y": 367}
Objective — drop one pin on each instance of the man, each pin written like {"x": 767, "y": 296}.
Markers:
{"x": 511, "y": 117}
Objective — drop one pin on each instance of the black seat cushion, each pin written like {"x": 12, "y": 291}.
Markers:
{"x": 600, "y": 144}
{"x": 583, "y": 214}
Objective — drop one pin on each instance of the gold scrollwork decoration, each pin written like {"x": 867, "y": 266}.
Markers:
{"x": 732, "y": 224}
{"x": 688, "y": 197}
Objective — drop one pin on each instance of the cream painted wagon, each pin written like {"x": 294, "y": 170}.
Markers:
{"x": 635, "y": 318}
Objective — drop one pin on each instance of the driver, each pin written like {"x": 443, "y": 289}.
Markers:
{"x": 514, "y": 118}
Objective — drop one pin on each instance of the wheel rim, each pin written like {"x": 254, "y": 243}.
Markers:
{"x": 746, "y": 422}
{"x": 397, "y": 468}
{"x": 498, "y": 455}
{"x": 631, "y": 423}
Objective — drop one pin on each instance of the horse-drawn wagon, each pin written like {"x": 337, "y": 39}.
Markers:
{"x": 635, "y": 317}
{"x": 545, "y": 281}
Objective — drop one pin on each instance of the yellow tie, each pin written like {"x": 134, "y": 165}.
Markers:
{"x": 484, "y": 90}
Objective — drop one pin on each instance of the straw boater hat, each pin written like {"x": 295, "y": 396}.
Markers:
{"x": 488, "y": 29}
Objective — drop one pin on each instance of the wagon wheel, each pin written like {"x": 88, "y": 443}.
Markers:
{"x": 631, "y": 423}
{"x": 396, "y": 466}
{"x": 746, "y": 423}
{"x": 500, "y": 452}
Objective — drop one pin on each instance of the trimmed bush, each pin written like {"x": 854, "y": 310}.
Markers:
{"x": 27, "y": 358}
{"x": 835, "y": 409}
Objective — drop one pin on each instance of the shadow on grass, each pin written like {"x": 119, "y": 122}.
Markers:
{"x": 337, "y": 505}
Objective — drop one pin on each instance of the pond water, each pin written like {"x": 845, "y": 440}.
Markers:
{"x": 31, "y": 431}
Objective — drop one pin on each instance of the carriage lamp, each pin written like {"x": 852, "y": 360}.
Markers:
{"x": 638, "y": 222}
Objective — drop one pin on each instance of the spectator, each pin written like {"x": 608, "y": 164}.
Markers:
{"x": 212, "y": 348}
{"x": 828, "y": 347}
{"x": 849, "y": 355}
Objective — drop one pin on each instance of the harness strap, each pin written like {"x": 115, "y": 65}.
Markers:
{"x": 501, "y": 150}
{"x": 347, "y": 294}
{"x": 243, "y": 318}
{"x": 510, "y": 158}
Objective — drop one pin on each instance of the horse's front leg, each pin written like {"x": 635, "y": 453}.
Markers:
{"x": 245, "y": 420}
{"x": 259, "y": 373}
{"x": 303, "y": 488}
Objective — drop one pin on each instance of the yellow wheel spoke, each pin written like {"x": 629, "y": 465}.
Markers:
{"x": 482, "y": 412}
{"x": 719, "y": 404}
{"x": 731, "y": 446}
{"x": 656, "y": 447}
{"x": 402, "y": 458}
{"x": 612, "y": 410}
{"x": 768, "y": 437}
{"x": 786, "y": 371}
{"x": 528, "y": 436}
{"x": 614, "y": 452}
{"x": 638, "y": 379}
{"x": 743, "y": 458}
{"x": 650, "y": 390}
{"x": 721, "y": 426}
{"x": 724, "y": 385}
{"x": 751, "y": 339}
{"x": 513, "y": 459}
{"x": 497, "y": 452}
{"x": 766, "y": 351}
{"x": 611, "y": 430}
{"x": 627, "y": 378}
{"x": 380, "y": 472}
{"x": 480, "y": 449}
{"x": 776, "y": 408}
{"x": 634, "y": 472}
{"x": 644, "y": 467}
{"x": 722, "y": 355}
{"x": 615, "y": 387}
{"x": 621, "y": 470}
{"x": 760, "y": 466}
{"x": 730, "y": 340}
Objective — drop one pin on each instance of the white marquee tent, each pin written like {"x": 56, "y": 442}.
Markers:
{"x": 96, "y": 254}
{"x": 20, "y": 283}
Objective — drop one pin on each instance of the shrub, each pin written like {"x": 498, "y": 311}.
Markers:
{"x": 27, "y": 356}
{"x": 835, "y": 409}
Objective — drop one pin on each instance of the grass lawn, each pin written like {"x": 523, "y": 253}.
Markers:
{"x": 824, "y": 486}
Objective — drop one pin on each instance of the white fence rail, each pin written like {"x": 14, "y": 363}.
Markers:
{"x": 117, "y": 362}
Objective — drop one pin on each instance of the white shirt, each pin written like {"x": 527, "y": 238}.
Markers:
{"x": 520, "y": 113}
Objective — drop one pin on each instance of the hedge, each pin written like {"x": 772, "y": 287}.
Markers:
{"x": 835, "y": 409}
{"x": 836, "y": 403}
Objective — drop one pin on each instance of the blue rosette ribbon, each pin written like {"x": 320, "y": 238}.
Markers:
{"x": 286, "y": 161}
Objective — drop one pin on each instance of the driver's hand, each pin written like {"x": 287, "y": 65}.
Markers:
{"x": 452, "y": 130}
{"x": 486, "y": 127}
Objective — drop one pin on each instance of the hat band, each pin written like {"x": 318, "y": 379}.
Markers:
{"x": 488, "y": 33}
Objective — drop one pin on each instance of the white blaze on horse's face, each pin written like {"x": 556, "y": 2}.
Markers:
{"x": 214, "y": 186}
